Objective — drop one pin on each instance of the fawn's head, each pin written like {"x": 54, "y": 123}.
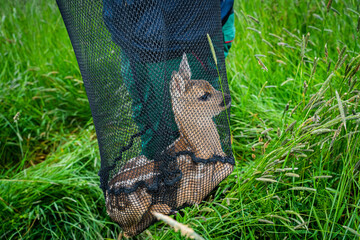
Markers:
{"x": 195, "y": 98}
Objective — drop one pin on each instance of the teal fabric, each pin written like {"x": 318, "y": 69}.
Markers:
{"x": 228, "y": 30}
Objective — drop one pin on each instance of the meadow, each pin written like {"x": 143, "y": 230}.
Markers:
{"x": 293, "y": 72}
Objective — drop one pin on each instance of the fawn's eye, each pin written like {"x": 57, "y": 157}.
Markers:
{"x": 205, "y": 96}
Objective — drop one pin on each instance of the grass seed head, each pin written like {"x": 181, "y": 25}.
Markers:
{"x": 353, "y": 231}
{"x": 266, "y": 221}
{"x": 335, "y": 11}
{"x": 184, "y": 230}
{"x": 302, "y": 225}
{"x": 254, "y": 29}
{"x": 285, "y": 169}
{"x": 302, "y": 189}
{"x": 341, "y": 54}
{"x": 266, "y": 131}
{"x": 323, "y": 176}
{"x": 305, "y": 87}
{"x": 276, "y": 36}
{"x": 341, "y": 109}
{"x": 262, "y": 64}
{"x": 254, "y": 19}
{"x": 280, "y": 217}
{"x": 16, "y": 117}
{"x": 212, "y": 48}
{"x": 268, "y": 43}
{"x": 328, "y": 67}
{"x": 321, "y": 131}
{"x": 263, "y": 179}
{"x": 307, "y": 39}
{"x": 343, "y": 60}
{"x": 326, "y": 51}
{"x": 314, "y": 67}
{"x": 292, "y": 175}
{"x": 290, "y": 127}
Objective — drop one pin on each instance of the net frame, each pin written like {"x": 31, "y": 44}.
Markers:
{"x": 117, "y": 55}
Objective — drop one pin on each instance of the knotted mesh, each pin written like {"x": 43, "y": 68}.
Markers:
{"x": 159, "y": 101}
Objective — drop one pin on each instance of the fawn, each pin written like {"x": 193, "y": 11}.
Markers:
{"x": 194, "y": 103}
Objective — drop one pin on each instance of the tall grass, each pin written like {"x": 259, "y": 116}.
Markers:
{"x": 295, "y": 128}
{"x": 40, "y": 81}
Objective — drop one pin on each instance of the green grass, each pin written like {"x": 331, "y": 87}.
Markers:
{"x": 302, "y": 185}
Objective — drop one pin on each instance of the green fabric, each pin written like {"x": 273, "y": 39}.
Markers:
{"x": 229, "y": 33}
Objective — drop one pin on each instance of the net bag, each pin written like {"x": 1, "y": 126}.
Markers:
{"x": 159, "y": 100}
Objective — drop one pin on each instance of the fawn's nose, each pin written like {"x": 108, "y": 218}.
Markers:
{"x": 227, "y": 100}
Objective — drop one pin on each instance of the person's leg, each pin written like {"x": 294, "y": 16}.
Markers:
{"x": 159, "y": 112}
{"x": 227, "y": 21}
{"x": 228, "y": 33}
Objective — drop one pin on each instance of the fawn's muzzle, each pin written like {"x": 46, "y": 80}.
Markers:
{"x": 227, "y": 100}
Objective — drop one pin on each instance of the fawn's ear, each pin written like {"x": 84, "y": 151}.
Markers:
{"x": 177, "y": 84}
{"x": 184, "y": 69}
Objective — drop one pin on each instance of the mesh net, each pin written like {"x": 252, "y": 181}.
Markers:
{"x": 159, "y": 101}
